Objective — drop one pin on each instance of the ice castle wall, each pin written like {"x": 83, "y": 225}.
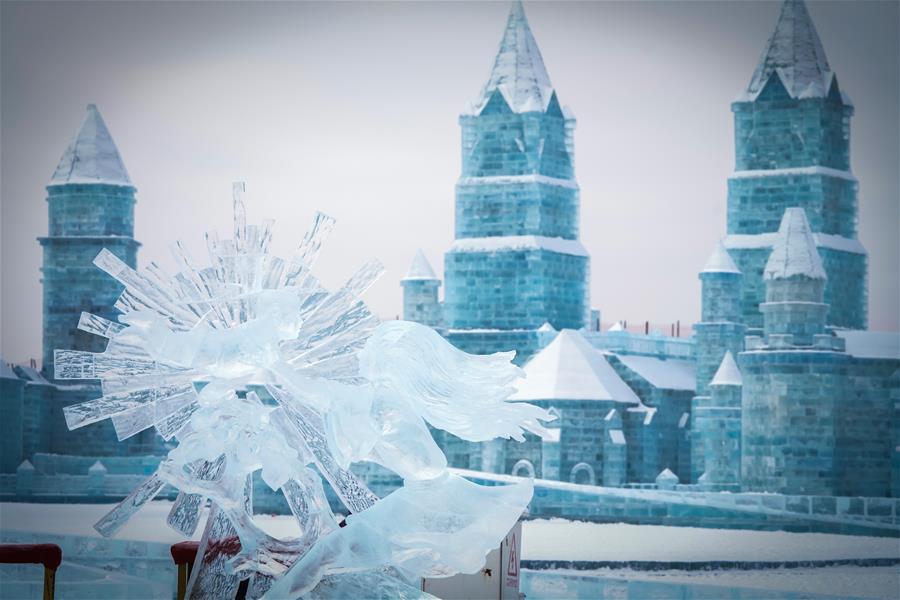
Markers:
{"x": 660, "y": 440}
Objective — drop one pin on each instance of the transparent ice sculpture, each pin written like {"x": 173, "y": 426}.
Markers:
{"x": 193, "y": 353}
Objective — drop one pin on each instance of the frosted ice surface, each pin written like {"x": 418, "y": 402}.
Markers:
{"x": 518, "y": 73}
{"x": 420, "y": 269}
{"x": 794, "y": 51}
{"x": 794, "y": 252}
{"x": 346, "y": 389}
{"x": 92, "y": 156}
{"x": 720, "y": 261}
{"x": 185, "y": 513}
{"x": 569, "y": 368}
{"x": 519, "y": 242}
{"x": 118, "y": 516}
{"x": 728, "y": 372}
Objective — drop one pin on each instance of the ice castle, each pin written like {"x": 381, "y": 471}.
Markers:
{"x": 780, "y": 390}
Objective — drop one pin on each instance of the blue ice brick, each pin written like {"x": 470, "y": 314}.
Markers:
{"x": 83, "y": 220}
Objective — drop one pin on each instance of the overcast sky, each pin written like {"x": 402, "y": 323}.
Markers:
{"x": 351, "y": 108}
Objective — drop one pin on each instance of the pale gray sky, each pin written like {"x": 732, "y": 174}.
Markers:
{"x": 351, "y": 108}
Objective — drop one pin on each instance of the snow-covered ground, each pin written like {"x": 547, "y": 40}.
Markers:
{"x": 542, "y": 539}
{"x": 558, "y": 539}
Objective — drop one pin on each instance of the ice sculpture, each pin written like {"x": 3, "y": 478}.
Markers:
{"x": 251, "y": 365}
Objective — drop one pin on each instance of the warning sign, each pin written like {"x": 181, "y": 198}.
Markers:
{"x": 512, "y": 564}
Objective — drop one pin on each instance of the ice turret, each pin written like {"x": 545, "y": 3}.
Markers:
{"x": 92, "y": 156}
{"x": 728, "y": 373}
{"x": 717, "y": 428}
{"x": 795, "y": 55}
{"x": 794, "y": 253}
{"x": 91, "y": 207}
{"x": 719, "y": 333}
{"x": 420, "y": 293}
{"x": 518, "y": 75}
{"x": 721, "y": 288}
{"x": 795, "y": 282}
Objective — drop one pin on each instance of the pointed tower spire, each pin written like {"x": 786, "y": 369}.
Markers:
{"x": 518, "y": 73}
{"x": 728, "y": 372}
{"x": 420, "y": 268}
{"x": 795, "y": 53}
{"x": 794, "y": 252}
{"x": 92, "y": 156}
{"x": 720, "y": 261}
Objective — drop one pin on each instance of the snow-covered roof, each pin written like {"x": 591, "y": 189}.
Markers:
{"x": 33, "y": 375}
{"x": 617, "y": 326}
{"x": 794, "y": 52}
{"x": 546, "y": 327}
{"x": 794, "y": 172}
{"x": 569, "y": 368}
{"x": 720, "y": 261}
{"x": 617, "y": 437}
{"x": 872, "y": 344}
{"x": 517, "y": 180}
{"x": 6, "y": 371}
{"x": 728, "y": 372}
{"x": 761, "y": 241}
{"x": 669, "y": 374}
{"x": 518, "y": 73}
{"x": 92, "y": 156}
{"x": 794, "y": 252}
{"x": 553, "y": 434}
{"x": 519, "y": 242}
{"x": 420, "y": 269}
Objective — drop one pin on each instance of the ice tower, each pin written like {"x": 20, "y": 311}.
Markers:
{"x": 717, "y": 424}
{"x": 792, "y": 135}
{"x": 794, "y": 376}
{"x": 420, "y": 293}
{"x": 720, "y": 331}
{"x": 91, "y": 207}
{"x": 516, "y": 262}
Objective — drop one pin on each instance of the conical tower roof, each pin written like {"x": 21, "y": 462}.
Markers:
{"x": 720, "y": 261}
{"x": 420, "y": 269}
{"x": 794, "y": 252}
{"x": 518, "y": 73}
{"x": 794, "y": 51}
{"x": 728, "y": 373}
{"x": 569, "y": 368}
{"x": 92, "y": 156}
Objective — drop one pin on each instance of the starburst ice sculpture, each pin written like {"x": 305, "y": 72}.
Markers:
{"x": 190, "y": 354}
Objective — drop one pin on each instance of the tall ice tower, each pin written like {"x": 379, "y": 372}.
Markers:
{"x": 516, "y": 262}
{"x": 792, "y": 136}
{"x": 91, "y": 206}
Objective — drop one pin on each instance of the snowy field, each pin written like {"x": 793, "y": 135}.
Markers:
{"x": 558, "y": 539}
